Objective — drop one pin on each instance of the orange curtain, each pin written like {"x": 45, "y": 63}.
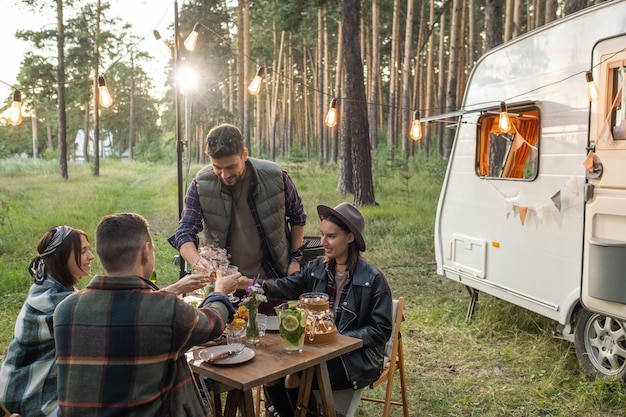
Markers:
{"x": 528, "y": 129}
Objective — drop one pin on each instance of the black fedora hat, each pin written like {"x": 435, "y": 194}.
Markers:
{"x": 350, "y": 216}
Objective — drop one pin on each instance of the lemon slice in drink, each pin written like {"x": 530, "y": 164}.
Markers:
{"x": 290, "y": 323}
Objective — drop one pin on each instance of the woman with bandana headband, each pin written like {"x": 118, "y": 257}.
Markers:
{"x": 28, "y": 376}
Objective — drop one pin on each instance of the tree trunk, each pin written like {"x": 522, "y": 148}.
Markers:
{"x": 86, "y": 130}
{"x": 374, "y": 74}
{"x": 338, "y": 77}
{"x": 305, "y": 94}
{"x": 493, "y": 23}
{"x": 247, "y": 73}
{"x": 131, "y": 113}
{"x": 406, "y": 85}
{"x": 471, "y": 35}
{"x": 321, "y": 105}
{"x": 517, "y": 18}
{"x": 572, "y": 6}
{"x": 393, "y": 84}
{"x": 440, "y": 84}
{"x": 507, "y": 32}
{"x": 355, "y": 106}
{"x": 453, "y": 65}
{"x": 551, "y": 7}
{"x": 96, "y": 96}
{"x": 241, "y": 75}
{"x": 325, "y": 60}
{"x": 276, "y": 81}
{"x": 430, "y": 78}
{"x": 62, "y": 132}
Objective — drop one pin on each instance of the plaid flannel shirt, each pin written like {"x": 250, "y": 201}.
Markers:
{"x": 121, "y": 349}
{"x": 28, "y": 377}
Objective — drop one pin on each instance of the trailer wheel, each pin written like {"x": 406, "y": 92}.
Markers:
{"x": 600, "y": 343}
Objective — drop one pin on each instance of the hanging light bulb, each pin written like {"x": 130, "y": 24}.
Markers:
{"x": 105, "y": 97}
{"x": 505, "y": 122}
{"x": 592, "y": 88}
{"x": 192, "y": 39}
{"x": 164, "y": 47}
{"x": 255, "y": 85}
{"x": 16, "y": 109}
{"x": 416, "y": 127}
{"x": 331, "y": 116}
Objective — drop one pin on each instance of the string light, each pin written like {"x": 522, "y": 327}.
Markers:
{"x": 105, "y": 97}
{"x": 416, "y": 127}
{"x": 592, "y": 87}
{"x": 164, "y": 47}
{"x": 255, "y": 85}
{"x": 505, "y": 122}
{"x": 16, "y": 109}
{"x": 331, "y": 116}
{"x": 192, "y": 39}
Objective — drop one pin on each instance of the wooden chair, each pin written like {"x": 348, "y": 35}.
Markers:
{"x": 394, "y": 362}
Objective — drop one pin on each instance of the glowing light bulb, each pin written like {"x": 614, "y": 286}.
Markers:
{"x": 505, "y": 121}
{"x": 331, "y": 116}
{"x": 105, "y": 97}
{"x": 255, "y": 85}
{"x": 16, "y": 109}
{"x": 164, "y": 47}
{"x": 192, "y": 39}
{"x": 416, "y": 127}
{"x": 592, "y": 89}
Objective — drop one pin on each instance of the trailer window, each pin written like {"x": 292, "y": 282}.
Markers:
{"x": 512, "y": 154}
{"x": 618, "y": 110}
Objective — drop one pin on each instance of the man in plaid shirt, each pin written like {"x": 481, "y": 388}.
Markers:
{"x": 121, "y": 343}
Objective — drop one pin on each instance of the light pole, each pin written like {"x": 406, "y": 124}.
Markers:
{"x": 179, "y": 143}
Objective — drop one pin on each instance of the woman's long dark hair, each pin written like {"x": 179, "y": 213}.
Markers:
{"x": 57, "y": 264}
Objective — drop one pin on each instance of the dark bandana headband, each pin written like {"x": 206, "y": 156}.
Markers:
{"x": 37, "y": 266}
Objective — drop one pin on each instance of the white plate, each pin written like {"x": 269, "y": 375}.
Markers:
{"x": 272, "y": 324}
{"x": 245, "y": 355}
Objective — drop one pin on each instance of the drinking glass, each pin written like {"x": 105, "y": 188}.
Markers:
{"x": 261, "y": 320}
{"x": 234, "y": 337}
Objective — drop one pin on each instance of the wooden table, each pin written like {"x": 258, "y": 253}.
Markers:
{"x": 271, "y": 362}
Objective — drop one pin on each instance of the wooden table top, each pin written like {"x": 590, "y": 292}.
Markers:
{"x": 272, "y": 362}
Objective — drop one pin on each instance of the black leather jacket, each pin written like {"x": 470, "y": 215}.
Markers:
{"x": 367, "y": 315}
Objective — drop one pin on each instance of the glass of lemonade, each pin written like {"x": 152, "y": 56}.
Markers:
{"x": 291, "y": 324}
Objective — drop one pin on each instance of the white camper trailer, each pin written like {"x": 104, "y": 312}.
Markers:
{"x": 535, "y": 212}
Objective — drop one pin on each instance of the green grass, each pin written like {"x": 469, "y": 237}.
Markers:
{"x": 502, "y": 363}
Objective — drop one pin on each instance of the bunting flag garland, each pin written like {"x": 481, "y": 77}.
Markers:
{"x": 606, "y": 134}
{"x": 539, "y": 211}
{"x": 572, "y": 185}
{"x": 522, "y": 213}
{"x": 588, "y": 162}
{"x": 544, "y": 208}
{"x": 556, "y": 199}
{"x": 509, "y": 207}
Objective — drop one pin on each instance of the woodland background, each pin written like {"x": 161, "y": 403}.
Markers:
{"x": 381, "y": 59}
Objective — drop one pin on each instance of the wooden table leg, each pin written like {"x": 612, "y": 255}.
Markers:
{"x": 211, "y": 390}
{"x": 304, "y": 393}
{"x": 326, "y": 392}
{"x": 238, "y": 400}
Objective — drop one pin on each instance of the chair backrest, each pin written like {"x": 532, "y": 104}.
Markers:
{"x": 398, "y": 305}
{"x": 394, "y": 361}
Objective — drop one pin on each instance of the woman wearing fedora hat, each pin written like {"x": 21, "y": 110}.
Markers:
{"x": 360, "y": 297}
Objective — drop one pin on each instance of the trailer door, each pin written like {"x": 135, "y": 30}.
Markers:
{"x": 604, "y": 260}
